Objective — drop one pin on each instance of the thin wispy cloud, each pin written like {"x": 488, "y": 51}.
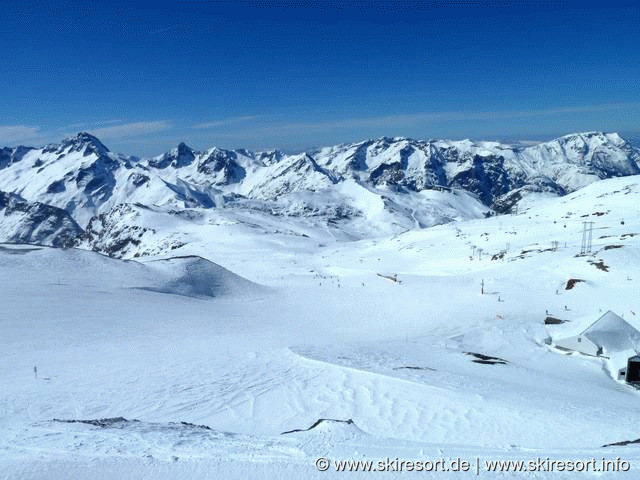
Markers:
{"x": 224, "y": 121}
{"x": 425, "y": 118}
{"x": 134, "y": 129}
{"x": 10, "y": 134}
{"x": 96, "y": 124}
{"x": 554, "y": 111}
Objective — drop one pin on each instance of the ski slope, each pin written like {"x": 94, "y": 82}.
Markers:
{"x": 215, "y": 358}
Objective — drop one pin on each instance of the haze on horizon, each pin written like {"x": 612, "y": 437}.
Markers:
{"x": 145, "y": 76}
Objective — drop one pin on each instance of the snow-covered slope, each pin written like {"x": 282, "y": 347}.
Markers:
{"x": 348, "y": 211}
{"x": 336, "y": 360}
{"x": 198, "y": 277}
{"x": 34, "y": 222}
{"x": 291, "y": 174}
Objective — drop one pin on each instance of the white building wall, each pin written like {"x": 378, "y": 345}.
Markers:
{"x": 579, "y": 344}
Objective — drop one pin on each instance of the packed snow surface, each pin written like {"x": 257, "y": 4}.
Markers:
{"x": 240, "y": 349}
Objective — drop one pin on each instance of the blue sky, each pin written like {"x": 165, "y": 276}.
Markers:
{"x": 293, "y": 75}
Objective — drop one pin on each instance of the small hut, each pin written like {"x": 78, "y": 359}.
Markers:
{"x": 604, "y": 337}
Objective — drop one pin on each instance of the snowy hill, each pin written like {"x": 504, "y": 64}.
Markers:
{"x": 195, "y": 276}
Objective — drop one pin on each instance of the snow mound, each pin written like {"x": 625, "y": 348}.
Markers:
{"x": 194, "y": 276}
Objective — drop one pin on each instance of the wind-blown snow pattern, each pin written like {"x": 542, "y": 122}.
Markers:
{"x": 341, "y": 311}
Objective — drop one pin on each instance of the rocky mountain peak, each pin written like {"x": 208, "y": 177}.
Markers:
{"x": 83, "y": 142}
{"x": 179, "y": 157}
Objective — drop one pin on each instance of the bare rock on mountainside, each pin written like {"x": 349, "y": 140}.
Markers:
{"x": 572, "y": 282}
{"x": 34, "y": 222}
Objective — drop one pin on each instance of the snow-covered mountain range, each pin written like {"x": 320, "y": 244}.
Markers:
{"x": 235, "y": 320}
{"x": 372, "y": 187}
